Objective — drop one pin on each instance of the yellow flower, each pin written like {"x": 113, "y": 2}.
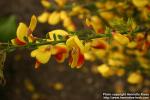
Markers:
{"x": 60, "y": 52}
{"x": 132, "y": 44}
{"x": 95, "y": 23}
{"x": 79, "y": 10}
{"x": 99, "y": 5}
{"x": 121, "y": 38}
{"x": 63, "y": 15}
{"x": 61, "y": 3}
{"x": 46, "y": 3}
{"x": 67, "y": 22}
{"x": 42, "y": 54}
{"x": 116, "y": 59}
{"x": 107, "y": 15}
{"x": 140, "y": 3}
{"x": 110, "y": 4}
{"x": 99, "y": 44}
{"x": 43, "y": 17}
{"x": 105, "y": 70}
{"x": 135, "y": 78}
{"x": 25, "y": 32}
{"x": 57, "y": 33}
{"x": 54, "y": 18}
{"x": 76, "y": 52}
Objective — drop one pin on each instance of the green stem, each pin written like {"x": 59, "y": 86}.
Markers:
{"x": 30, "y": 45}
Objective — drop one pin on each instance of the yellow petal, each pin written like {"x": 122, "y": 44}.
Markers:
{"x": 46, "y": 3}
{"x": 61, "y": 2}
{"x": 88, "y": 22}
{"x": 67, "y": 22}
{"x": 71, "y": 43}
{"x": 43, "y": 17}
{"x": 57, "y": 33}
{"x": 22, "y": 31}
{"x": 132, "y": 44}
{"x": 63, "y": 15}
{"x": 95, "y": 19}
{"x": 33, "y": 53}
{"x": 140, "y": 3}
{"x": 79, "y": 43}
{"x": 105, "y": 70}
{"x": 71, "y": 28}
{"x": 107, "y": 15}
{"x": 54, "y": 18}
{"x": 42, "y": 54}
{"x": 43, "y": 57}
{"x": 135, "y": 78}
{"x": 33, "y": 23}
{"x": 74, "y": 55}
{"x": 121, "y": 38}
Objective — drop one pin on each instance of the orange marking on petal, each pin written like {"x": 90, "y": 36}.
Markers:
{"x": 147, "y": 43}
{"x": 99, "y": 46}
{"x": 100, "y": 30}
{"x": 80, "y": 60}
{"x": 61, "y": 49}
{"x": 19, "y": 42}
{"x": 59, "y": 56}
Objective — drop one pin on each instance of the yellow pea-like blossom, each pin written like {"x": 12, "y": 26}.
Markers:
{"x": 60, "y": 52}
{"x": 42, "y": 54}
{"x": 46, "y": 3}
{"x": 95, "y": 23}
{"x": 105, "y": 70}
{"x": 140, "y": 3}
{"x": 76, "y": 52}
{"x": 63, "y": 15}
{"x": 54, "y": 18}
{"x": 132, "y": 44}
{"x": 107, "y": 15}
{"x": 43, "y": 17}
{"x": 67, "y": 22}
{"x": 25, "y": 32}
{"x": 57, "y": 34}
{"x": 61, "y": 3}
{"x": 135, "y": 78}
{"x": 121, "y": 38}
{"x": 110, "y": 4}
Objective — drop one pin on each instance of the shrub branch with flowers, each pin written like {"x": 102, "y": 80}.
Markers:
{"x": 114, "y": 32}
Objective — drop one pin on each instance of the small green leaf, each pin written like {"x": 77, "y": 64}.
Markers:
{"x": 54, "y": 36}
{"x": 60, "y": 37}
{"x": 26, "y": 39}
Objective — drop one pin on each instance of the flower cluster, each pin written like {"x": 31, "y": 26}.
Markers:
{"x": 55, "y": 17}
{"x": 73, "y": 48}
{"x": 121, "y": 44}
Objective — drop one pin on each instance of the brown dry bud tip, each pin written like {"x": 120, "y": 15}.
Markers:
{"x": 37, "y": 65}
